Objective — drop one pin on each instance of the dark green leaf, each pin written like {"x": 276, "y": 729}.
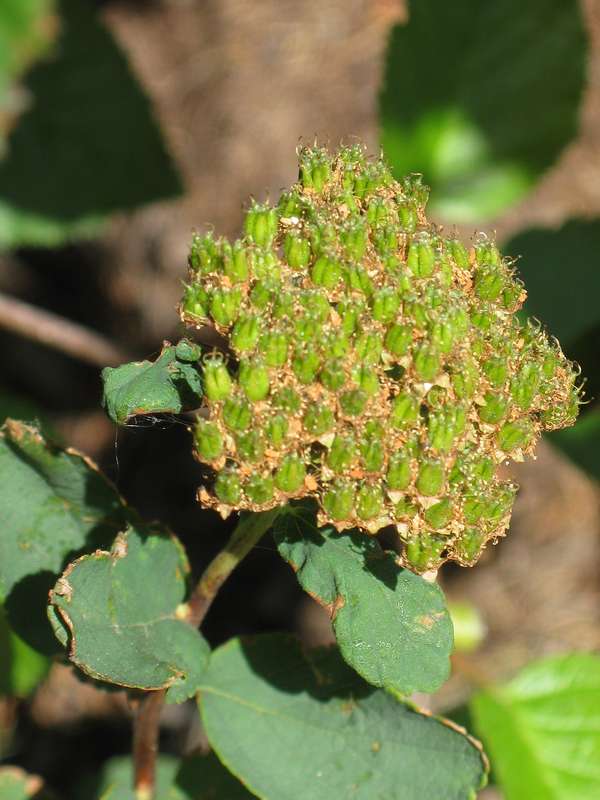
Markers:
{"x": 294, "y": 724}
{"x": 561, "y": 271}
{"x": 392, "y": 626}
{"x": 18, "y": 785}
{"x": 170, "y": 384}
{"x": 21, "y": 667}
{"x": 195, "y": 778}
{"x": 54, "y": 504}
{"x": 87, "y": 147}
{"x": 543, "y": 729}
{"x": 122, "y": 614}
{"x": 482, "y": 97}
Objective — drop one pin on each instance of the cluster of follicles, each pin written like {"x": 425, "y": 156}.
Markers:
{"x": 371, "y": 363}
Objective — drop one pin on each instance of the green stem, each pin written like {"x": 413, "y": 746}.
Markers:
{"x": 247, "y": 533}
{"x": 250, "y": 529}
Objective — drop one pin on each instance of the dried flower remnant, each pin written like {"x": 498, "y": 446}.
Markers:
{"x": 379, "y": 367}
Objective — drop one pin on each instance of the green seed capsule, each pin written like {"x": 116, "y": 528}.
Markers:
{"x": 354, "y": 240}
{"x": 353, "y": 402}
{"x": 398, "y": 339}
{"x": 421, "y": 259}
{"x": 292, "y": 204}
{"x": 436, "y": 397}
{"x": 373, "y": 453}
{"x": 425, "y": 552}
{"x": 274, "y": 348}
{"x": 367, "y": 380}
{"x": 317, "y": 304}
{"x": 260, "y": 489}
{"x": 217, "y": 381}
{"x": 358, "y": 280}
{"x": 225, "y": 305}
{"x": 459, "y": 253}
{"x": 513, "y": 435}
{"x": 399, "y": 472}
{"x": 208, "y": 440}
{"x": 276, "y": 429}
{"x": 203, "y": 256}
{"x": 260, "y": 296}
{"x": 426, "y": 363}
{"x": 283, "y": 307}
{"x": 254, "y": 380}
{"x": 237, "y": 414}
{"x": 326, "y": 272}
{"x": 349, "y": 313}
{"x": 336, "y": 345}
{"x": 342, "y": 453}
{"x": 296, "y": 250}
{"x": 486, "y": 253}
{"x": 315, "y": 170}
{"x": 377, "y": 212}
{"x": 318, "y": 419}
{"x": 408, "y": 216}
{"x": 466, "y": 381}
{"x": 265, "y": 266}
{"x": 338, "y": 501}
{"x": 290, "y": 475}
{"x": 445, "y": 426}
{"x": 245, "y": 334}
{"x": 442, "y": 336}
{"x": 196, "y": 301}
{"x": 430, "y": 479}
{"x": 489, "y": 284}
{"x": 306, "y": 364}
{"x": 235, "y": 263}
{"x": 439, "y": 514}
{"x": 368, "y": 348}
{"x": 385, "y": 305}
{"x": 307, "y": 328}
{"x": 287, "y": 399}
{"x": 525, "y": 385}
{"x": 405, "y": 410}
{"x": 494, "y": 410}
{"x": 250, "y": 446}
{"x": 512, "y": 296}
{"x": 496, "y": 370}
{"x": 473, "y": 509}
{"x": 228, "y": 487}
{"x": 405, "y": 509}
{"x": 385, "y": 240}
{"x": 332, "y": 376}
{"x": 469, "y": 545}
{"x": 260, "y": 224}
{"x": 369, "y": 501}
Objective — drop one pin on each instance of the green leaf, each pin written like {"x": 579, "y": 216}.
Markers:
{"x": 15, "y": 784}
{"x": 561, "y": 271}
{"x": 122, "y": 615}
{"x": 482, "y": 97}
{"x": 195, "y": 778}
{"x": 543, "y": 729}
{"x": 172, "y": 383}
{"x": 295, "y": 724}
{"x": 87, "y": 147}
{"x": 392, "y": 626}
{"x": 21, "y": 667}
{"x": 54, "y": 504}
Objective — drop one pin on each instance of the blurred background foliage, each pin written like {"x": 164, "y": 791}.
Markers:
{"x": 127, "y": 124}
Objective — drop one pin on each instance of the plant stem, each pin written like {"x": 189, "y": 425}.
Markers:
{"x": 249, "y": 530}
{"x": 247, "y": 533}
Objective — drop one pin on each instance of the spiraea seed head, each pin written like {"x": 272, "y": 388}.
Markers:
{"x": 376, "y": 365}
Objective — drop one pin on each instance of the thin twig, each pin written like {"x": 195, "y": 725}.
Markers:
{"x": 56, "y": 331}
{"x": 249, "y": 530}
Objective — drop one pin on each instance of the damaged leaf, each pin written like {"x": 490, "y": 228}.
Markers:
{"x": 55, "y": 503}
{"x": 392, "y": 626}
{"x": 122, "y": 615}
{"x": 170, "y": 384}
{"x": 326, "y": 730}
{"x": 15, "y": 784}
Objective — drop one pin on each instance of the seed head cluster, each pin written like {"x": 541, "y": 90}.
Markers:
{"x": 374, "y": 364}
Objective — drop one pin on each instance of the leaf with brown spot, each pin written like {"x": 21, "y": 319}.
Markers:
{"x": 392, "y": 626}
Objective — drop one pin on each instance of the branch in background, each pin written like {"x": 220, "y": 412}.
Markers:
{"x": 56, "y": 331}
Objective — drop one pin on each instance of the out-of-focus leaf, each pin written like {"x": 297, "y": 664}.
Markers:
{"x": 15, "y": 784}
{"x": 295, "y": 724}
{"x": 87, "y": 147}
{"x": 482, "y": 97}
{"x": 469, "y": 628}
{"x": 561, "y": 271}
{"x": 542, "y": 730}
{"x": 172, "y": 383}
{"x": 121, "y": 614}
{"x": 26, "y": 29}
{"x": 21, "y": 667}
{"x": 392, "y": 626}
{"x": 194, "y": 778}
{"x": 582, "y": 442}
{"x": 54, "y": 504}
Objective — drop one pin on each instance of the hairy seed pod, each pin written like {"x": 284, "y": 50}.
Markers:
{"x": 208, "y": 440}
{"x": 290, "y": 475}
{"x": 228, "y": 487}
{"x": 254, "y": 380}
{"x": 338, "y": 501}
{"x": 217, "y": 381}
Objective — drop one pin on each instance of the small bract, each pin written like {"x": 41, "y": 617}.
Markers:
{"x": 380, "y": 366}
